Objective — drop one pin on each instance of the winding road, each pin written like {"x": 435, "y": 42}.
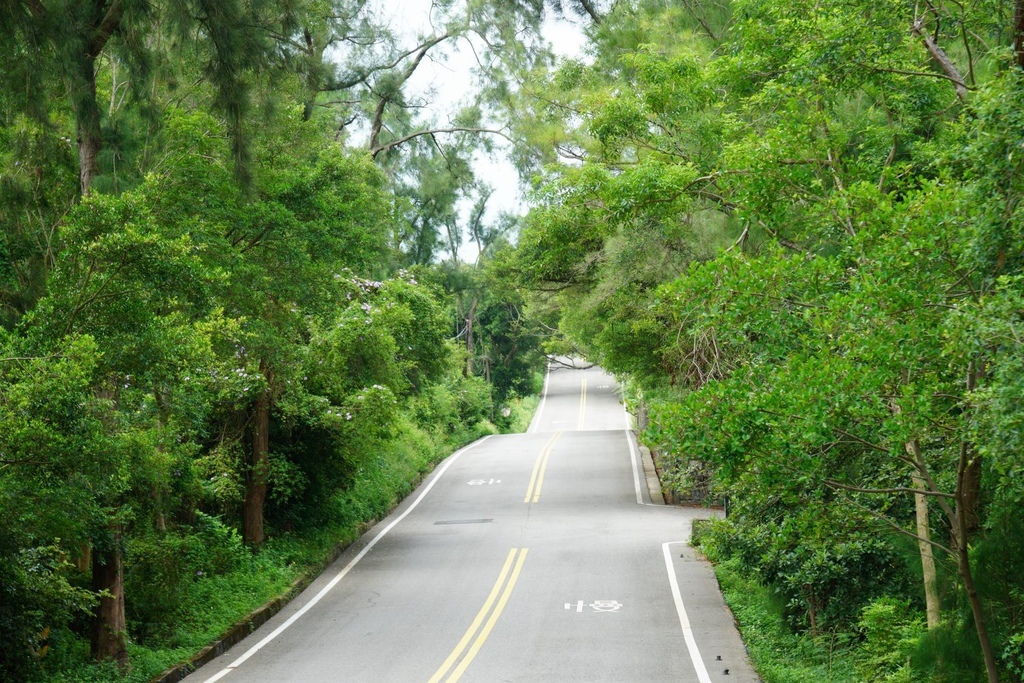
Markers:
{"x": 527, "y": 557}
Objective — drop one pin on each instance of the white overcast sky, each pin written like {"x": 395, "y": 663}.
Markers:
{"x": 446, "y": 83}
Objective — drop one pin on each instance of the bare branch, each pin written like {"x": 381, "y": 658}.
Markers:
{"x": 374, "y": 151}
{"x": 589, "y": 8}
{"x": 897, "y": 489}
{"x": 111, "y": 20}
{"x": 363, "y": 75}
{"x": 742, "y": 238}
{"x": 700, "y": 20}
{"x": 385, "y": 99}
{"x": 557, "y": 360}
{"x": 894, "y": 525}
{"x": 8, "y": 463}
{"x": 905, "y": 72}
{"x": 940, "y": 56}
{"x": 36, "y": 8}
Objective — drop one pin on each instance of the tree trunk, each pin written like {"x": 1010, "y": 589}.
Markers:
{"x": 314, "y": 55}
{"x": 108, "y": 627}
{"x": 256, "y": 479}
{"x": 642, "y": 416}
{"x": 103, "y": 24}
{"x": 933, "y": 607}
{"x": 87, "y": 115}
{"x": 1018, "y": 32}
{"x": 966, "y": 575}
{"x": 940, "y": 56}
{"x": 589, "y": 8}
{"x": 83, "y": 559}
{"x": 966, "y": 496}
{"x": 972, "y": 494}
{"x": 470, "y": 349}
{"x": 812, "y": 610}
{"x": 158, "y": 491}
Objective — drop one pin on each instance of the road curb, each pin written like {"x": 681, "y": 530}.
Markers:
{"x": 653, "y": 480}
{"x": 261, "y": 615}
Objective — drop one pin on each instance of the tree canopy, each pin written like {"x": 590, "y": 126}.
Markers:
{"x": 794, "y": 227}
{"x": 224, "y": 325}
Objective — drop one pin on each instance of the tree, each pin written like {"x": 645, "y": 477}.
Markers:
{"x": 313, "y": 216}
{"x": 835, "y": 161}
{"x": 67, "y": 42}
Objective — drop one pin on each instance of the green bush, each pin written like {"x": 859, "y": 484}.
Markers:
{"x": 36, "y": 603}
{"x": 161, "y": 568}
{"x": 949, "y": 654}
{"x": 891, "y": 631}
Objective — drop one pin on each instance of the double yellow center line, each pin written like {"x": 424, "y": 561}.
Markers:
{"x": 539, "y": 468}
{"x": 507, "y": 578}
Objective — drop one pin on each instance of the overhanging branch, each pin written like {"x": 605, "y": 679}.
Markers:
{"x": 896, "y": 489}
{"x": 374, "y": 151}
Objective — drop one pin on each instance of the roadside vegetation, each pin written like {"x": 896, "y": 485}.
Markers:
{"x": 237, "y": 318}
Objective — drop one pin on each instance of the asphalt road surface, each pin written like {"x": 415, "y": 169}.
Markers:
{"x": 528, "y": 557}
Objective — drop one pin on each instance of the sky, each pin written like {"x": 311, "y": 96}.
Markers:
{"x": 443, "y": 84}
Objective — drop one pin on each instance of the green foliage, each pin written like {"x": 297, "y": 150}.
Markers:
{"x": 797, "y": 231}
{"x": 891, "y": 631}
{"x": 38, "y": 600}
{"x": 199, "y": 298}
{"x": 162, "y": 566}
{"x": 779, "y": 655}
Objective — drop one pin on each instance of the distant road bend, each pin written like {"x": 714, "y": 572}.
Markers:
{"x": 527, "y": 557}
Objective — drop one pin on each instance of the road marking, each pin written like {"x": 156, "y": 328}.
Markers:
{"x": 633, "y": 457}
{"x": 539, "y": 468}
{"x": 605, "y": 605}
{"x": 597, "y": 606}
{"x": 684, "y": 621}
{"x": 583, "y": 403}
{"x": 464, "y": 521}
{"x": 491, "y": 621}
{"x": 345, "y": 570}
{"x": 483, "y": 482}
{"x": 535, "y": 422}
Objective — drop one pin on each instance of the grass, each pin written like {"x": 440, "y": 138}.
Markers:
{"x": 778, "y": 654}
{"x": 522, "y": 413}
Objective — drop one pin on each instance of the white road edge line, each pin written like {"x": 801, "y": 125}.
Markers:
{"x": 345, "y": 570}
{"x": 633, "y": 457}
{"x": 535, "y": 422}
{"x": 684, "y": 621}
